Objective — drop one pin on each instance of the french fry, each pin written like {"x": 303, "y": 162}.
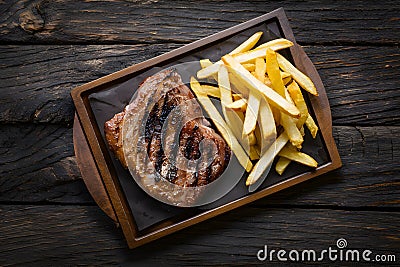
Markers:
{"x": 281, "y": 165}
{"x": 238, "y": 85}
{"x": 253, "y": 105}
{"x": 231, "y": 117}
{"x": 248, "y": 56}
{"x": 257, "y": 134}
{"x": 290, "y": 126}
{"x": 287, "y": 80}
{"x": 297, "y": 96}
{"x": 288, "y": 97}
{"x": 291, "y": 153}
{"x": 285, "y": 75}
{"x": 267, "y": 125}
{"x": 221, "y": 125}
{"x": 224, "y": 87}
{"x": 292, "y": 131}
{"x": 248, "y": 44}
{"x": 274, "y": 73}
{"x": 266, "y": 159}
{"x": 256, "y": 86}
{"x": 311, "y": 126}
{"x": 237, "y": 97}
{"x": 250, "y": 120}
{"x": 209, "y": 71}
{"x": 211, "y": 90}
{"x": 286, "y": 121}
{"x": 260, "y": 69}
{"x": 303, "y": 80}
{"x": 249, "y": 66}
{"x": 214, "y": 92}
{"x": 253, "y": 153}
{"x": 234, "y": 119}
{"x": 276, "y": 44}
{"x": 267, "y": 81}
{"x": 252, "y": 139}
{"x": 238, "y": 105}
{"x": 204, "y": 63}
{"x": 245, "y": 46}
{"x": 302, "y": 131}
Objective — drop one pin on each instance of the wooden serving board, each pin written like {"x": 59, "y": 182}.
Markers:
{"x": 115, "y": 191}
{"x": 89, "y": 171}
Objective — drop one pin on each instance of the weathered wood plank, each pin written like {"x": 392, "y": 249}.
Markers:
{"x": 321, "y": 21}
{"x": 35, "y": 81}
{"x": 76, "y": 235}
{"x": 361, "y": 83}
{"x": 37, "y": 164}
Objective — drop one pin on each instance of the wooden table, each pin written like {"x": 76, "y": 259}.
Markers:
{"x": 47, "y": 216}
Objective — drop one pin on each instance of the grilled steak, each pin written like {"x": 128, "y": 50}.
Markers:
{"x": 169, "y": 139}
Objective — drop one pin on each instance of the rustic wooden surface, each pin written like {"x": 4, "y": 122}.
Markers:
{"x": 48, "y": 47}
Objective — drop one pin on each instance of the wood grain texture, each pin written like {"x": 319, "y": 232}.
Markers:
{"x": 321, "y": 21}
{"x": 79, "y": 235}
{"x": 37, "y": 164}
{"x": 35, "y": 81}
{"x": 361, "y": 83}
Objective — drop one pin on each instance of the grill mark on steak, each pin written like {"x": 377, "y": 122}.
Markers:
{"x": 153, "y": 90}
{"x": 150, "y": 125}
{"x": 156, "y": 120}
{"x": 159, "y": 157}
{"x": 178, "y": 96}
{"x": 170, "y": 145}
{"x": 154, "y": 124}
{"x": 181, "y": 161}
{"x": 154, "y": 153}
{"x": 162, "y": 163}
{"x": 192, "y": 152}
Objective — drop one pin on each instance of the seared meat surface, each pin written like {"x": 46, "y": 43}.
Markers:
{"x": 168, "y": 135}
{"x": 112, "y": 129}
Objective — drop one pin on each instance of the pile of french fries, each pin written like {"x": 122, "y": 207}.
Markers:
{"x": 263, "y": 108}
